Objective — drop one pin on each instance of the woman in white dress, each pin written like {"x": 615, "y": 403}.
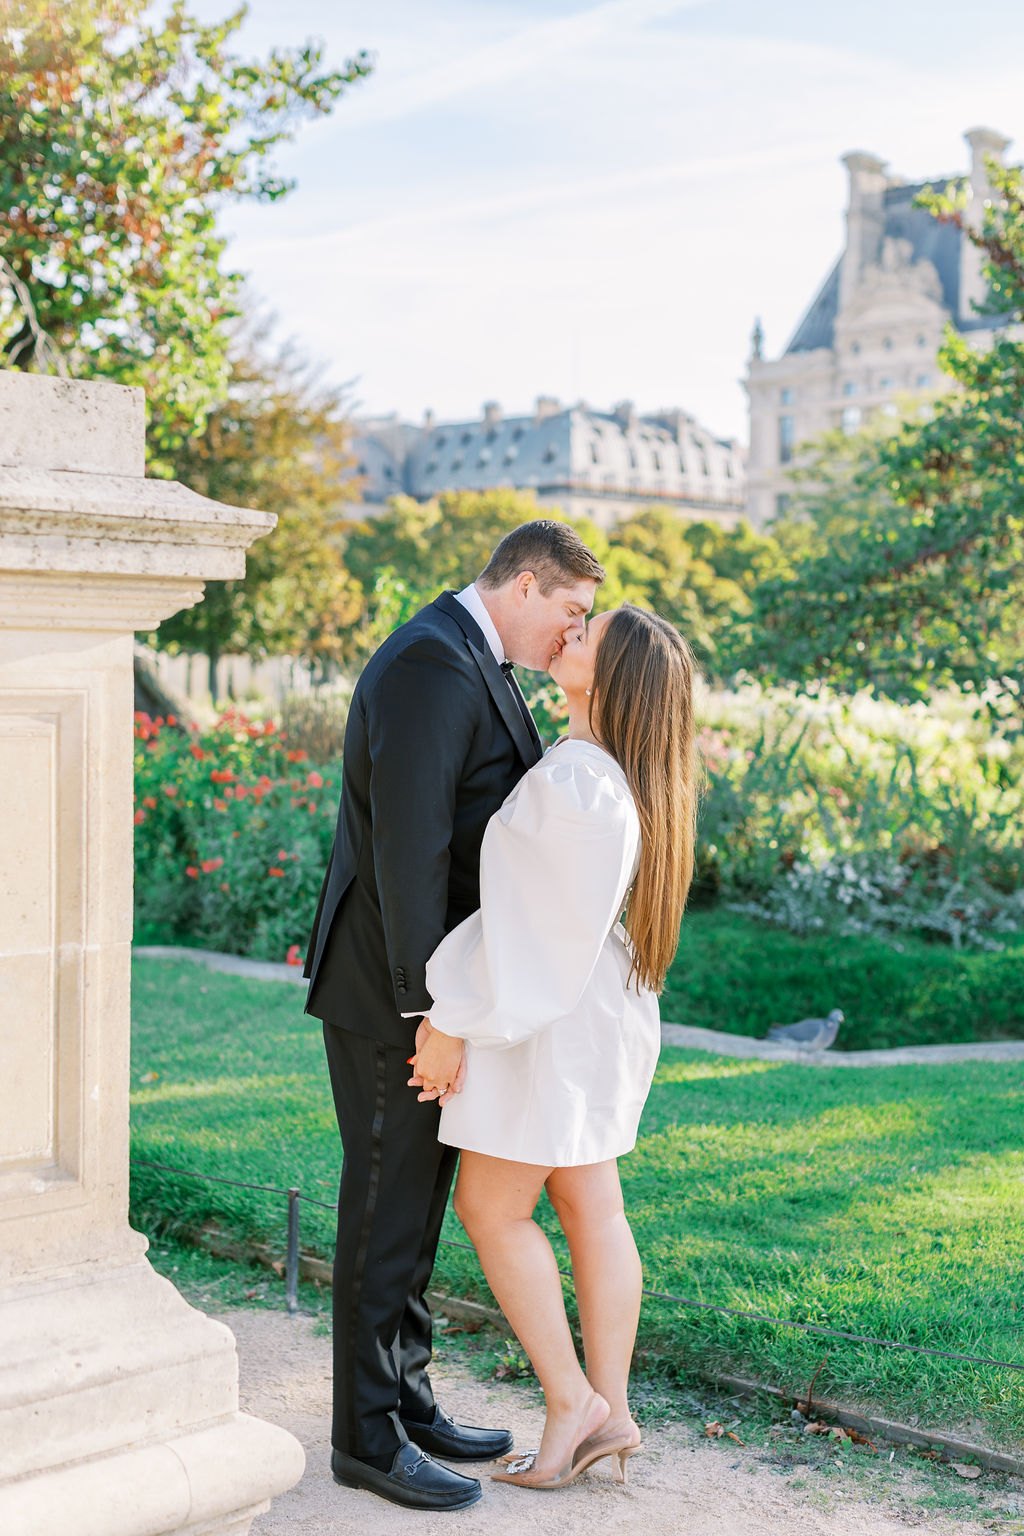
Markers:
{"x": 544, "y": 1033}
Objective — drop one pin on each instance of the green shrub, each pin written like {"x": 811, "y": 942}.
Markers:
{"x": 734, "y": 974}
{"x": 829, "y": 817}
{"x": 852, "y": 816}
{"x": 233, "y": 830}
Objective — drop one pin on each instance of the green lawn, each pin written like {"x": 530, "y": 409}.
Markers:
{"x": 883, "y": 1201}
{"x": 735, "y": 974}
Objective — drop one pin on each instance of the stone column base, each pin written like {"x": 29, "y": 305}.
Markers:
{"x": 201, "y": 1484}
{"x": 119, "y": 1414}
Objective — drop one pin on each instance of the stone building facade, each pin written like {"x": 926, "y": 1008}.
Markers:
{"x": 596, "y": 464}
{"x": 868, "y": 341}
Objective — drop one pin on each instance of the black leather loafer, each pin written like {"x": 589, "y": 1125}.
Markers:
{"x": 414, "y": 1480}
{"x": 457, "y": 1442}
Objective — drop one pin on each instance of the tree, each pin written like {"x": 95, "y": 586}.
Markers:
{"x": 118, "y": 141}
{"x": 413, "y": 550}
{"x": 928, "y": 589}
{"x": 698, "y": 575}
{"x": 277, "y": 442}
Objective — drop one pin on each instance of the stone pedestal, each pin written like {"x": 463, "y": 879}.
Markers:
{"x": 118, "y": 1401}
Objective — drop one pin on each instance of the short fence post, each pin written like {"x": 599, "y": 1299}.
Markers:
{"x": 291, "y": 1273}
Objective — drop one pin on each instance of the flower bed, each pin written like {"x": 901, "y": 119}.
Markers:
{"x": 233, "y": 829}
{"x": 825, "y": 815}
{"x": 857, "y": 817}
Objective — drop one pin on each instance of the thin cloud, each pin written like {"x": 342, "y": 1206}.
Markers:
{"x": 562, "y": 194}
{"x": 498, "y": 63}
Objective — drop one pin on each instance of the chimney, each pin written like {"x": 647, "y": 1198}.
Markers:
{"x": 973, "y": 284}
{"x": 428, "y": 420}
{"x": 546, "y": 405}
{"x": 625, "y": 414}
{"x": 492, "y": 413}
{"x": 865, "y": 220}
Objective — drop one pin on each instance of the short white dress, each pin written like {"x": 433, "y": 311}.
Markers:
{"x": 561, "y": 1046}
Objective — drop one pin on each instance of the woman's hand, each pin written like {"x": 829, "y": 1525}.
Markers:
{"x": 439, "y": 1065}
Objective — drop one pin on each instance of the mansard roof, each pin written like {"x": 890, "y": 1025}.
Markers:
{"x": 930, "y": 241}
{"x": 665, "y": 455}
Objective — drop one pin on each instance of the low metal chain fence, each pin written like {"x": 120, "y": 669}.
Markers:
{"x": 295, "y": 1195}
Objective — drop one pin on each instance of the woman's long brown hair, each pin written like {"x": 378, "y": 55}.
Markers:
{"x": 642, "y": 711}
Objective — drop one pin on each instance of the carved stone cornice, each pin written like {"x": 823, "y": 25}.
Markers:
{"x": 69, "y": 600}
{"x": 64, "y": 520}
{"x": 92, "y": 513}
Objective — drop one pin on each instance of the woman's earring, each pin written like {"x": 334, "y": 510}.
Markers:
{"x": 588, "y": 693}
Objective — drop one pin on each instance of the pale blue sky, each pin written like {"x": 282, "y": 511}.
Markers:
{"x": 594, "y": 198}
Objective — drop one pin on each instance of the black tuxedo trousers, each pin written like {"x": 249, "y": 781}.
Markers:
{"x": 436, "y": 739}
{"x": 395, "y": 1180}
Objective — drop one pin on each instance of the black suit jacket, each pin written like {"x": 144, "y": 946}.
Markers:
{"x": 435, "y": 741}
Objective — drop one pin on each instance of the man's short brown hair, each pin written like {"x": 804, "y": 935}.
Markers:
{"x": 553, "y": 551}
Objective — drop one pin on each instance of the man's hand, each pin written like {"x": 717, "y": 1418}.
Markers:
{"x": 439, "y": 1065}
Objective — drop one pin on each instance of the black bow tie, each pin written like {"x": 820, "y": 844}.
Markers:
{"x": 507, "y": 667}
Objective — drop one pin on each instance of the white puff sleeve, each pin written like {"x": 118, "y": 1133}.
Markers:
{"x": 555, "y": 866}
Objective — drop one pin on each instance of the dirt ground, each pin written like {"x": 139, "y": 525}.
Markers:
{"x": 679, "y": 1484}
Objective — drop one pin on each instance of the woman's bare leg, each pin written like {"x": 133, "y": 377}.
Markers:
{"x": 495, "y": 1201}
{"x": 606, "y": 1269}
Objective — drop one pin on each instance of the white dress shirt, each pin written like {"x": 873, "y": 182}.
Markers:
{"x": 473, "y": 603}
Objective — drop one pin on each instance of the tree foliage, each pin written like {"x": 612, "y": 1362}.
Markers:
{"x": 119, "y": 139}
{"x": 278, "y": 443}
{"x": 924, "y": 585}
{"x": 697, "y": 575}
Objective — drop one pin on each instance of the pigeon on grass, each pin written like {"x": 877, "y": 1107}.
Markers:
{"x": 808, "y": 1034}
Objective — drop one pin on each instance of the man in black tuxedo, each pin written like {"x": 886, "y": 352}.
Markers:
{"x": 438, "y": 734}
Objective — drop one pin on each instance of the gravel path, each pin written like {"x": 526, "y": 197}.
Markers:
{"x": 679, "y": 1486}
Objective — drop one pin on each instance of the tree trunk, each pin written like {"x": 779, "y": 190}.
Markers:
{"x": 213, "y": 656}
